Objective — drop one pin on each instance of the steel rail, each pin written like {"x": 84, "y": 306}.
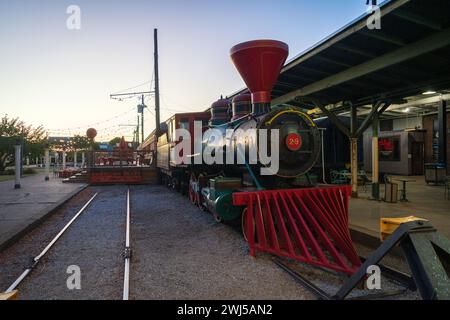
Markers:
{"x": 48, "y": 247}
{"x": 319, "y": 293}
{"x": 322, "y": 295}
{"x": 126, "y": 277}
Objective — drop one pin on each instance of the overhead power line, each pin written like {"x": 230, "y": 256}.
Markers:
{"x": 92, "y": 124}
{"x": 140, "y": 85}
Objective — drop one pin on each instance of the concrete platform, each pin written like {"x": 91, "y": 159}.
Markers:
{"x": 23, "y": 209}
{"x": 426, "y": 201}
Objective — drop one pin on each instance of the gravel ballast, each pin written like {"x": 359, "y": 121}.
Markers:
{"x": 178, "y": 252}
{"x": 94, "y": 243}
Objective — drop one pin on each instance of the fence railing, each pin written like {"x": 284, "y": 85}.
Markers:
{"x": 121, "y": 159}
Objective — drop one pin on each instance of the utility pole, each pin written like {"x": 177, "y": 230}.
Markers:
{"x": 141, "y": 107}
{"x": 18, "y": 163}
{"x": 137, "y": 130}
{"x": 157, "y": 106}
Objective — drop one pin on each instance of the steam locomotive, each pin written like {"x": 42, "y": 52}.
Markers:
{"x": 210, "y": 186}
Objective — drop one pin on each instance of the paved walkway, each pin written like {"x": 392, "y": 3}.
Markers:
{"x": 426, "y": 201}
{"x": 23, "y": 208}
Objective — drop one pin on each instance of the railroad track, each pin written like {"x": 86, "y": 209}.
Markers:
{"x": 402, "y": 280}
{"x": 51, "y": 245}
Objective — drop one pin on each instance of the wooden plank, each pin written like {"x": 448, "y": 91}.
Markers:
{"x": 9, "y": 296}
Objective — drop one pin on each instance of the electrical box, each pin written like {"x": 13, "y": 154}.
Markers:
{"x": 391, "y": 192}
{"x": 435, "y": 173}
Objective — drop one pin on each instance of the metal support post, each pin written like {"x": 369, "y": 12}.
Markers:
{"x": 354, "y": 151}
{"x": 18, "y": 163}
{"x": 322, "y": 133}
{"x": 442, "y": 120}
{"x": 354, "y": 166}
{"x": 47, "y": 164}
{"x": 375, "y": 156}
{"x": 64, "y": 160}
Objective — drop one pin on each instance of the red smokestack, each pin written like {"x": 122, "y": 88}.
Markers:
{"x": 259, "y": 62}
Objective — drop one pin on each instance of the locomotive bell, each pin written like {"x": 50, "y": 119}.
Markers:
{"x": 242, "y": 106}
{"x": 259, "y": 63}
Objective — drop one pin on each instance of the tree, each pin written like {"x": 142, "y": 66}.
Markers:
{"x": 12, "y": 130}
{"x": 115, "y": 141}
{"x": 80, "y": 143}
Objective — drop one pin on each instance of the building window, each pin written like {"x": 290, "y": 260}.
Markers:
{"x": 389, "y": 148}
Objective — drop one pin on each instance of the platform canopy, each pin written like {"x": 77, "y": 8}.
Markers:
{"x": 408, "y": 56}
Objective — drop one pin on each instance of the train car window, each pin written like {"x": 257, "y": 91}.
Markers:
{"x": 184, "y": 124}
{"x": 171, "y": 130}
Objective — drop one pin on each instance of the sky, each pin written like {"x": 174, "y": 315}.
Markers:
{"x": 61, "y": 79}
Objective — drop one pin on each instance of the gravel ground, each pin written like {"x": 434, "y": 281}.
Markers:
{"x": 179, "y": 252}
{"x": 94, "y": 242}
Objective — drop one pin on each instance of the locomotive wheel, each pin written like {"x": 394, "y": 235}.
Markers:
{"x": 200, "y": 197}
{"x": 183, "y": 188}
{"x": 202, "y": 207}
{"x": 165, "y": 180}
{"x": 174, "y": 184}
{"x": 217, "y": 218}
{"x": 192, "y": 194}
{"x": 244, "y": 225}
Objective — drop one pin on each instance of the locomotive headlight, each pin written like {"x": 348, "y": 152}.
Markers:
{"x": 294, "y": 141}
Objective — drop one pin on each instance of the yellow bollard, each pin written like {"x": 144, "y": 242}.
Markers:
{"x": 389, "y": 225}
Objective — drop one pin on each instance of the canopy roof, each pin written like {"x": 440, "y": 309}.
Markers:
{"x": 409, "y": 55}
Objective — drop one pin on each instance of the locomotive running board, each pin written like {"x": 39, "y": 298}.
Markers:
{"x": 306, "y": 225}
